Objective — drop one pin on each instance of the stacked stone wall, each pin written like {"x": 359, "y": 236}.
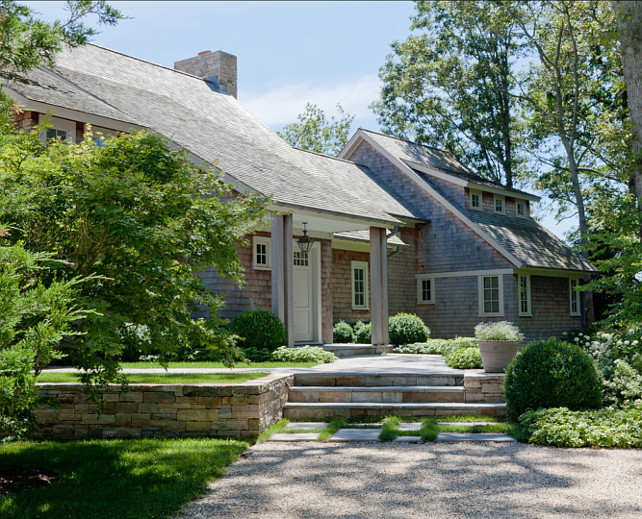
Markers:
{"x": 153, "y": 410}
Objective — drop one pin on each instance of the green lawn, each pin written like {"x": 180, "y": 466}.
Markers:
{"x": 218, "y": 365}
{"x": 163, "y": 378}
{"x": 120, "y": 479}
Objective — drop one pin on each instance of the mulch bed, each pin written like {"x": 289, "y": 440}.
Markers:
{"x": 19, "y": 479}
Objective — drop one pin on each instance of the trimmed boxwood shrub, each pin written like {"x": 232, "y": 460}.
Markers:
{"x": 342, "y": 333}
{"x": 362, "y": 332}
{"x": 261, "y": 332}
{"x": 407, "y": 329}
{"x": 551, "y": 374}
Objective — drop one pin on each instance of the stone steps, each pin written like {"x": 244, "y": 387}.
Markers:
{"x": 323, "y": 410}
{"x": 377, "y": 394}
{"x": 361, "y": 379}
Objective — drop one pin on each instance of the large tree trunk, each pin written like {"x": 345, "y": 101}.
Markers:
{"x": 629, "y": 20}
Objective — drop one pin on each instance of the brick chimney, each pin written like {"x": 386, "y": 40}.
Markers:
{"x": 218, "y": 69}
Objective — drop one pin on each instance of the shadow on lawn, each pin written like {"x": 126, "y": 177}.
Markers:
{"x": 116, "y": 478}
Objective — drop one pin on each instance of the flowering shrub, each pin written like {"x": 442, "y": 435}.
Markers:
{"x": 618, "y": 355}
{"x": 498, "y": 331}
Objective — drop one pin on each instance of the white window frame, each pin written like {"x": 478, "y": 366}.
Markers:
{"x": 480, "y": 296}
{"x": 363, "y": 265}
{"x": 262, "y": 240}
{"x": 56, "y": 123}
{"x": 574, "y": 297}
{"x": 497, "y": 198}
{"x": 481, "y": 199}
{"x": 420, "y": 290}
{"x": 529, "y": 311}
{"x": 518, "y": 204}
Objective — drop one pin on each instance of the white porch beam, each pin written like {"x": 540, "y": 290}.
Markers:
{"x": 379, "y": 285}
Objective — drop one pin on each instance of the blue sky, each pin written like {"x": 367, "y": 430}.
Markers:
{"x": 289, "y": 53}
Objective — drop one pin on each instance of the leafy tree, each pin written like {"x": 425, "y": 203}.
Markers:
{"x": 313, "y": 131}
{"x": 449, "y": 85}
{"x": 142, "y": 218}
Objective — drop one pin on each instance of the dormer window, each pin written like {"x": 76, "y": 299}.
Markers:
{"x": 499, "y": 204}
{"x": 520, "y": 209}
{"x": 475, "y": 200}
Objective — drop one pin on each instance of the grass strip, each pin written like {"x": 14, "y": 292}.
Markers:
{"x": 389, "y": 428}
{"x": 217, "y": 365}
{"x": 116, "y": 479}
{"x": 278, "y": 427}
{"x": 336, "y": 423}
{"x": 475, "y": 429}
{"x": 467, "y": 418}
{"x": 162, "y": 378}
{"x": 429, "y": 430}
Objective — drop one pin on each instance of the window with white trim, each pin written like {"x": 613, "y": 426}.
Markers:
{"x": 426, "y": 290}
{"x": 58, "y": 128}
{"x": 359, "y": 284}
{"x": 52, "y": 134}
{"x": 520, "y": 209}
{"x": 574, "y": 297}
{"x": 261, "y": 253}
{"x": 475, "y": 199}
{"x": 491, "y": 296}
{"x": 524, "y": 294}
{"x": 301, "y": 259}
{"x": 499, "y": 203}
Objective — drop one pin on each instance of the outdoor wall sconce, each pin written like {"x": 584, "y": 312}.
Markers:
{"x": 304, "y": 242}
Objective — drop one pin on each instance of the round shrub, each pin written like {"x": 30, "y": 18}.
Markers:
{"x": 362, "y": 332}
{"x": 552, "y": 374}
{"x": 261, "y": 332}
{"x": 407, "y": 329}
{"x": 342, "y": 333}
{"x": 465, "y": 358}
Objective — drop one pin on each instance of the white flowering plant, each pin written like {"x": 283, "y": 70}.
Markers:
{"x": 618, "y": 355}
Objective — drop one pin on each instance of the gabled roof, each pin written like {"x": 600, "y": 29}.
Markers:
{"x": 522, "y": 241}
{"x": 214, "y": 127}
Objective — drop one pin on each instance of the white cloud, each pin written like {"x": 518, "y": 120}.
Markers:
{"x": 281, "y": 104}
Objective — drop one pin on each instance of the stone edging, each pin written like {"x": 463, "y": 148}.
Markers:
{"x": 484, "y": 387}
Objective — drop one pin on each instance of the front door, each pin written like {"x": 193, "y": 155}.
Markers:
{"x": 305, "y": 296}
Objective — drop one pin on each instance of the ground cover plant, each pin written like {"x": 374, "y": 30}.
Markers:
{"x": 389, "y": 428}
{"x": 53, "y": 377}
{"x": 154, "y": 364}
{"x": 303, "y": 354}
{"x": 119, "y": 479}
{"x": 460, "y": 352}
{"x": 466, "y": 358}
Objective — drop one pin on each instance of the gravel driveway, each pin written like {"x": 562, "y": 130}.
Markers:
{"x": 405, "y": 481}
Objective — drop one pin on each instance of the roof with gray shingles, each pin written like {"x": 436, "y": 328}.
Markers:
{"x": 213, "y": 126}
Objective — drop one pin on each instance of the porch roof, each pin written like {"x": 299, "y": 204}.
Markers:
{"x": 215, "y": 128}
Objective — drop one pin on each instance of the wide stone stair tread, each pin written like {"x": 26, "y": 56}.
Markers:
{"x": 319, "y": 410}
{"x": 401, "y": 405}
{"x": 427, "y": 389}
{"x": 360, "y": 379}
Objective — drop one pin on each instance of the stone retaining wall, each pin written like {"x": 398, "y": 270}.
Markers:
{"x": 484, "y": 387}
{"x": 150, "y": 410}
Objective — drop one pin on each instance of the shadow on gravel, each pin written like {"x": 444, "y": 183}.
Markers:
{"x": 373, "y": 480}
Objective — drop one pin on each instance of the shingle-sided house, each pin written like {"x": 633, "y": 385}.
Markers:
{"x": 396, "y": 226}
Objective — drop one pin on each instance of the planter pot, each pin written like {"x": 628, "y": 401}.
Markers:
{"x": 496, "y": 355}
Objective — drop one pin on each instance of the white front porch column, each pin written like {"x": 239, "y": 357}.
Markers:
{"x": 379, "y": 285}
{"x": 282, "y": 273}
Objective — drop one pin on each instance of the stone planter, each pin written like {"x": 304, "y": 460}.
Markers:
{"x": 496, "y": 355}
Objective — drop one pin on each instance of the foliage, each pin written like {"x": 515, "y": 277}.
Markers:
{"x": 260, "y": 333}
{"x": 141, "y": 218}
{"x": 56, "y": 377}
{"x": 313, "y": 131}
{"x": 618, "y": 355}
{"x": 338, "y": 422}
{"x": 407, "y": 328}
{"x": 442, "y": 347}
{"x": 429, "y": 430}
{"x": 362, "y": 332}
{"x": 389, "y": 428}
{"x": 551, "y": 374}
{"x": 342, "y": 333}
{"x": 449, "y": 85}
{"x": 608, "y": 427}
{"x": 303, "y": 354}
{"x": 34, "y": 317}
{"x": 466, "y": 358}
{"x": 498, "y": 331}
{"x": 124, "y": 479}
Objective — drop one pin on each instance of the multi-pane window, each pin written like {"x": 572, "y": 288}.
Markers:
{"x": 55, "y": 133}
{"x": 426, "y": 290}
{"x": 475, "y": 200}
{"x": 359, "y": 285}
{"x": 490, "y": 295}
{"x": 574, "y": 296}
{"x": 261, "y": 252}
{"x": 520, "y": 209}
{"x": 499, "y": 202}
{"x": 524, "y": 295}
{"x": 301, "y": 259}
